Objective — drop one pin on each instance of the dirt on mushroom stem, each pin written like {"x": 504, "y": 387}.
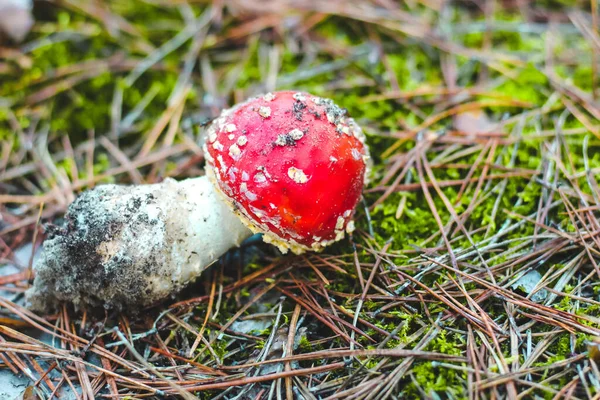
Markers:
{"x": 129, "y": 246}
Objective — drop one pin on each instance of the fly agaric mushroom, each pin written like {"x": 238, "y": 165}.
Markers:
{"x": 288, "y": 165}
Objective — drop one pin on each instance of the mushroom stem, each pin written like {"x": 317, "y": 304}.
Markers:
{"x": 125, "y": 246}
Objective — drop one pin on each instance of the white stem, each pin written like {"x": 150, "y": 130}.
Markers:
{"x": 134, "y": 245}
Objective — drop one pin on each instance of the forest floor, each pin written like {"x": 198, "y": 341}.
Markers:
{"x": 472, "y": 272}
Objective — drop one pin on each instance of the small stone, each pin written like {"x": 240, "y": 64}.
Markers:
{"x": 528, "y": 283}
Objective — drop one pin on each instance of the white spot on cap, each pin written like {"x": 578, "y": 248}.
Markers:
{"x": 269, "y": 97}
{"x": 244, "y": 189}
{"x": 297, "y": 175}
{"x": 260, "y": 177}
{"x": 222, "y": 163}
{"x": 281, "y": 140}
{"x": 234, "y": 151}
{"x": 231, "y": 174}
{"x": 296, "y": 134}
{"x": 251, "y": 196}
{"x": 347, "y": 213}
{"x": 220, "y": 121}
{"x": 339, "y": 224}
{"x": 230, "y": 128}
{"x": 258, "y": 212}
{"x": 289, "y": 138}
{"x": 350, "y": 227}
{"x": 231, "y": 136}
{"x": 299, "y": 96}
{"x": 356, "y": 154}
{"x": 267, "y": 175}
{"x": 217, "y": 146}
{"x": 264, "y": 112}
{"x": 242, "y": 140}
{"x": 245, "y": 176}
{"x": 332, "y": 159}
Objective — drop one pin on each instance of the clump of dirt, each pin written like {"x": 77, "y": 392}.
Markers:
{"x": 107, "y": 253}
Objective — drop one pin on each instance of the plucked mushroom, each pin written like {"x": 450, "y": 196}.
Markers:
{"x": 289, "y": 165}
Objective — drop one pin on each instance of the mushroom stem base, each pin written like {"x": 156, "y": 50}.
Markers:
{"x": 131, "y": 246}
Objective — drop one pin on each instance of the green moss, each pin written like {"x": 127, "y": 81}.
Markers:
{"x": 304, "y": 345}
{"x": 432, "y": 379}
{"x": 530, "y": 85}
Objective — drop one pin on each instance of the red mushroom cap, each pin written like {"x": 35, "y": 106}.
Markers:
{"x": 292, "y": 165}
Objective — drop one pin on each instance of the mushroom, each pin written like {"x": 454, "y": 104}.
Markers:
{"x": 289, "y": 165}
